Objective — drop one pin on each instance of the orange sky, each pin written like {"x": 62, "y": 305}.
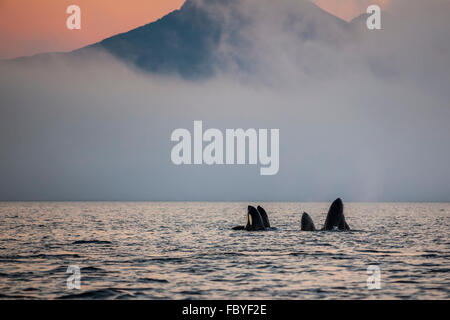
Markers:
{"x": 32, "y": 26}
{"x": 348, "y": 9}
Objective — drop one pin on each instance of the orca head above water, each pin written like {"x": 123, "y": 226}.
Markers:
{"x": 254, "y": 220}
{"x": 335, "y": 218}
{"x": 257, "y": 219}
{"x": 307, "y": 223}
{"x": 264, "y": 216}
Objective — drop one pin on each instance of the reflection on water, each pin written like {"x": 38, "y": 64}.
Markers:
{"x": 187, "y": 250}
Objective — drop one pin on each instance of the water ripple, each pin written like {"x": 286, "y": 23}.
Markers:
{"x": 187, "y": 251}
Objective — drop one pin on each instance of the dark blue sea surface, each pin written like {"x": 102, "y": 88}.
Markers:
{"x": 186, "y": 250}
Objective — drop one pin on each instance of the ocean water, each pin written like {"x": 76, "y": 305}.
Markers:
{"x": 177, "y": 250}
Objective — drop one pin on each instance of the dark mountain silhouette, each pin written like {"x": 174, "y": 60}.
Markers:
{"x": 188, "y": 41}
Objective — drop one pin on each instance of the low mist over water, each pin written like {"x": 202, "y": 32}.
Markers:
{"x": 361, "y": 113}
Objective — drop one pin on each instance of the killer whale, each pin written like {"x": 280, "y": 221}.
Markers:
{"x": 335, "y": 219}
{"x": 257, "y": 220}
{"x": 307, "y": 223}
{"x": 264, "y": 216}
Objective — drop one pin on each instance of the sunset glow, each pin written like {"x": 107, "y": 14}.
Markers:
{"x": 30, "y": 27}
{"x": 348, "y": 9}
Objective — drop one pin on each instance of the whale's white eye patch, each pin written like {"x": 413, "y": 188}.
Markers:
{"x": 250, "y": 219}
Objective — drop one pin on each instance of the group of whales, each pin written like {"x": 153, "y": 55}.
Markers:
{"x": 257, "y": 219}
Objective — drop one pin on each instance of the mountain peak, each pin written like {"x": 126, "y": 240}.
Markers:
{"x": 191, "y": 41}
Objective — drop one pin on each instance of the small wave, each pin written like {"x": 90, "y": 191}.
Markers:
{"x": 91, "y": 242}
{"x": 189, "y": 292}
{"x": 405, "y": 281}
{"x": 109, "y": 293}
{"x": 429, "y": 255}
{"x": 379, "y": 251}
{"x": 57, "y": 270}
{"x": 9, "y": 258}
{"x": 438, "y": 271}
{"x": 341, "y": 257}
{"x": 92, "y": 269}
{"x": 168, "y": 259}
{"x": 20, "y": 275}
{"x": 152, "y": 280}
{"x": 57, "y": 255}
{"x": 297, "y": 254}
{"x": 15, "y": 258}
{"x": 6, "y": 296}
{"x": 154, "y": 259}
{"x": 233, "y": 254}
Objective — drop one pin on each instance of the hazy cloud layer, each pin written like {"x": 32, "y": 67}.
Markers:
{"x": 362, "y": 115}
